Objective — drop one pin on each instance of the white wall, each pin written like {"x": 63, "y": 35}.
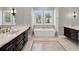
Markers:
{"x": 56, "y": 19}
{"x": 0, "y": 17}
{"x": 19, "y": 15}
{"x": 66, "y": 17}
{"x": 23, "y": 15}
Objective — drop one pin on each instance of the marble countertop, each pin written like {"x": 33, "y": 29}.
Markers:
{"x": 15, "y": 31}
{"x": 72, "y": 27}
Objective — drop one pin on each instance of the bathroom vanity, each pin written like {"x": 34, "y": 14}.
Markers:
{"x": 14, "y": 41}
{"x": 72, "y": 32}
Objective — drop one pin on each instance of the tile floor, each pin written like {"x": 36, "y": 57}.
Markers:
{"x": 60, "y": 43}
{"x": 47, "y": 46}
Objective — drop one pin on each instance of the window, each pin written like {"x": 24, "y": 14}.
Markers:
{"x": 7, "y": 18}
{"x": 43, "y": 16}
{"x": 38, "y": 16}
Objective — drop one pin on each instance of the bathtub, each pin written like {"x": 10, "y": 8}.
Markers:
{"x": 44, "y": 32}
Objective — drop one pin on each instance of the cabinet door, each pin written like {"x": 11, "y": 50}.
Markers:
{"x": 66, "y": 32}
{"x": 20, "y": 45}
{"x": 74, "y": 34}
{"x": 71, "y": 33}
{"x": 25, "y": 37}
{"x": 19, "y": 38}
{"x": 10, "y": 48}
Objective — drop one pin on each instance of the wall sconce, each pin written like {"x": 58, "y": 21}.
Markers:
{"x": 74, "y": 14}
{"x": 13, "y": 11}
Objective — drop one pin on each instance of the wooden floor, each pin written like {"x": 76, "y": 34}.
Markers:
{"x": 60, "y": 43}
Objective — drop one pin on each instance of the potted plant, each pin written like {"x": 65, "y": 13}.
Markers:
{"x": 38, "y": 18}
{"x": 48, "y": 18}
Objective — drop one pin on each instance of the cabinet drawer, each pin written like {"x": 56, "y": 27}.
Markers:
{"x": 71, "y": 33}
{"x": 19, "y": 38}
{"x": 11, "y": 46}
{"x": 20, "y": 45}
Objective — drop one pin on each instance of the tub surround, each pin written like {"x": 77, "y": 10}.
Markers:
{"x": 15, "y": 31}
{"x": 44, "y": 32}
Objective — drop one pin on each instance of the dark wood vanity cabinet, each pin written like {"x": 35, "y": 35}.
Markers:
{"x": 21, "y": 40}
{"x": 71, "y": 33}
{"x": 67, "y": 32}
{"x": 17, "y": 43}
{"x": 10, "y": 46}
{"x": 25, "y": 36}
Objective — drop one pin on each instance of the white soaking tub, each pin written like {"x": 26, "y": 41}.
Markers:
{"x": 44, "y": 32}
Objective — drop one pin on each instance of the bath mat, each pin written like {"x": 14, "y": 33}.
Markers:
{"x": 47, "y": 46}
